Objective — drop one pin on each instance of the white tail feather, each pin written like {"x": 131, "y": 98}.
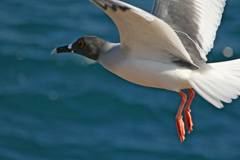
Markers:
{"x": 218, "y": 82}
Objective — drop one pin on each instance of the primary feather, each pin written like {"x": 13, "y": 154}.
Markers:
{"x": 199, "y": 19}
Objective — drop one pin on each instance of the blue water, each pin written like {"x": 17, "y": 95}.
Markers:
{"x": 60, "y": 108}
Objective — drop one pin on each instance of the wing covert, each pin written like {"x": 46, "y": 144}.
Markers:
{"x": 142, "y": 32}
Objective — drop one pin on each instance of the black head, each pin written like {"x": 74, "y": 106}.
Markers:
{"x": 88, "y": 46}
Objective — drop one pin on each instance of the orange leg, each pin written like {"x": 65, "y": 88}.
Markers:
{"x": 187, "y": 110}
{"x": 179, "y": 118}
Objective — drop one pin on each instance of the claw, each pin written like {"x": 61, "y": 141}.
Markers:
{"x": 180, "y": 129}
{"x": 188, "y": 117}
{"x": 179, "y": 118}
{"x": 189, "y": 122}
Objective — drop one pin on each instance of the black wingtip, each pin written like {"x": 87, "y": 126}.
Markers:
{"x": 99, "y": 4}
{"x": 114, "y": 6}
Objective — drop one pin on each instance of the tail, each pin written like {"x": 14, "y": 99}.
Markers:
{"x": 218, "y": 82}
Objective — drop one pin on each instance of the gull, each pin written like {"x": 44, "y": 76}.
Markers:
{"x": 166, "y": 49}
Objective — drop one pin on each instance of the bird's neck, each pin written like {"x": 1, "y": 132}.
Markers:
{"x": 108, "y": 47}
{"x": 110, "y": 53}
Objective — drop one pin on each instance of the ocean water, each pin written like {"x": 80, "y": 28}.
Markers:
{"x": 62, "y": 108}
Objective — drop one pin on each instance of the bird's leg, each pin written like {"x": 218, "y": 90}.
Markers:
{"x": 179, "y": 118}
{"x": 187, "y": 110}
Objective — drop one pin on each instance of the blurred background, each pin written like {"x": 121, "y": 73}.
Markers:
{"x": 62, "y": 108}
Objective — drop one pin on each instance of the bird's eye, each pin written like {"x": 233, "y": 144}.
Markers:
{"x": 81, "y": 44}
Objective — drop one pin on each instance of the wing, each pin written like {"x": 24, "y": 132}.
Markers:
{"x": 195, "y": 21}
{"x": 140, "y": 31}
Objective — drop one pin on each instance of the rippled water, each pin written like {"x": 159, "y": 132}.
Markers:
{"x": 60, "y": 108}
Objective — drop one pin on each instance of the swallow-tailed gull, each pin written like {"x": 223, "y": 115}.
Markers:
{"x": 166, "y": 49}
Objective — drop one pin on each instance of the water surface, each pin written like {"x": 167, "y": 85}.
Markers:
{"x": 59, "y": 108}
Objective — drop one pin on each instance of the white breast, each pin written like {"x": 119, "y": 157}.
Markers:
{"x": 146, "y": 72}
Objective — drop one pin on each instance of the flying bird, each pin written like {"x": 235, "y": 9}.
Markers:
{"x": 166, "y": 49}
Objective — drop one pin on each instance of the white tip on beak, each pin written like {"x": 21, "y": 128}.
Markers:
{"x": 70, "y": 46}
{"x": 54, "y": 51}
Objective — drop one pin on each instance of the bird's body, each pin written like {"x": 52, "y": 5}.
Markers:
{"x": 145, "y": 72}
{"x": 166, "y": 49}
{"x": 160, "y": 68}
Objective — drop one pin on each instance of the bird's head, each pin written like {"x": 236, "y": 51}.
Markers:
{"x": 88, "y": 46}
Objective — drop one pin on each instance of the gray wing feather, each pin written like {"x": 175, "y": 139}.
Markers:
{"x": 195, "y": 21}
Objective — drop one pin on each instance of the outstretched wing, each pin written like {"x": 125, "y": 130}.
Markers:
{"x": 141, "y": 31}
{"x": 195, "y": 21}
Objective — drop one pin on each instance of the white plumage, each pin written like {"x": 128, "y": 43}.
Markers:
{"x": 167, "y": 49}
{"x": 150, "y": 46}
{"x": 219, "y": 83}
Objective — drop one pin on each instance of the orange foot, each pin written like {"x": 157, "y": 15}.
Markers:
{"x": 189, "y": 122}
{"x": 180, "y": 128}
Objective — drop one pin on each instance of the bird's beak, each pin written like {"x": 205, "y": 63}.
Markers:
{"x": 63, "y": 49}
